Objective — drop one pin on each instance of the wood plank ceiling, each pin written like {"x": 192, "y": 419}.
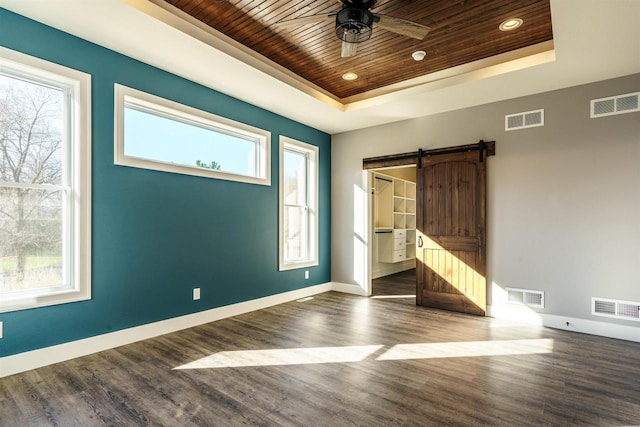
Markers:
{"x": 462, "y": 31}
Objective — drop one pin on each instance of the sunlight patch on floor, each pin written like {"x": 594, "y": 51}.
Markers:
{"x": 283, "y": 356}
{"x": 467, "y": 349}
{"x": 351, "y": 354}
{"x": 392, "y": 296}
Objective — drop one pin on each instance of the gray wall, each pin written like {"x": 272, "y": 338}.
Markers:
{"x": 563, "y": 199}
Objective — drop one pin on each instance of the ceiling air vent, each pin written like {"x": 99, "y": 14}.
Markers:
{"x": 613, "y": 308}
{"x": 525, "y": 297}
{"x": 620, "y": 104}
{"x": 528, "y": 119}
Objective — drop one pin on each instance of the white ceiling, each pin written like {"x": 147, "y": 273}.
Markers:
{"x": 594, "y": 40}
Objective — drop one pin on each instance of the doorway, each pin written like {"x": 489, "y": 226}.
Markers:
{"x": 393, "y": 233}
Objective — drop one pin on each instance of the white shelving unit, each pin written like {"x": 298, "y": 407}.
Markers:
{"x": 395, "y": 218}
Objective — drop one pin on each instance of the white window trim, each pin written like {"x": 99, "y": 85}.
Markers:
{"x": 124, "y": 94}
{"x": 312, "y": 183}
{"x": 80, "y": 140}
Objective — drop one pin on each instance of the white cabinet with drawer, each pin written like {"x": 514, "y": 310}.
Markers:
{"x": 392, "y": 246}
{"x": 398, "y": 256}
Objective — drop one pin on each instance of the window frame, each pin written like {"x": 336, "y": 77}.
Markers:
{"x": 312, "y": 158}
{"x": 171, "y": 110}
{"x": 76, "y": 252}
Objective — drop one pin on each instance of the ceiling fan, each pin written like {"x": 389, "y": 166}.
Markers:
{"x": 354, "y": 24}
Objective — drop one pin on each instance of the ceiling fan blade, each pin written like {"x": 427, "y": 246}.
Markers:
{"x": 402, "y": 26}
{"x": 311, "y": 19}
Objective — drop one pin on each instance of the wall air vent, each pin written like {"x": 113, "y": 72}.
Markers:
{"x": 528, "y": 119}
{"x": 525, "y": 297}
{"x": 620, "y": 104}
{"x": 625, "y": 310}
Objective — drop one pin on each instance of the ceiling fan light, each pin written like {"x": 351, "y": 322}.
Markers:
{"x": 354, "y": 24}
{"x": 348, "y": 49}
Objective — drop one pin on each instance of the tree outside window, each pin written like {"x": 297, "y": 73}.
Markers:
{"x": 32, "y": 185}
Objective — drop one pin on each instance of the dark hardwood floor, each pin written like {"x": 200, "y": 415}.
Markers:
{"x": 399, "y": 287}
{"x": 339, "y": 360}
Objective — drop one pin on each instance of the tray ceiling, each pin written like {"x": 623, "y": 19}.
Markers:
{"x": 164, "y": 37}
{"x": 462, "y": 32}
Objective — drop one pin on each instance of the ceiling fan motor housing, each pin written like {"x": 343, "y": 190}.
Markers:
{"x": 354, "y": 24}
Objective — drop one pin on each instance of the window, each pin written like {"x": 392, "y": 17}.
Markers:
{"x": 298, "y": 204}
{"x": 155, "y": 133}
{"x": 45, "y": 183}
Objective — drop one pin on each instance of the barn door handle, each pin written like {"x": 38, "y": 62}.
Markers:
{"x": 419, "y": 241}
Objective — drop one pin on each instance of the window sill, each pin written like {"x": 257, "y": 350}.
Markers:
{"x": 296, "y": 265}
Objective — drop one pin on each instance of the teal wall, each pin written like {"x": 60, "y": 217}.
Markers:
{"x": 157, "y": 235}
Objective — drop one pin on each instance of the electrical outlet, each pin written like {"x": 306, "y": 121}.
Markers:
{"x": 0, "y": 329}
{"x": 196, "y": 294}
{"x": 306, "y": 274}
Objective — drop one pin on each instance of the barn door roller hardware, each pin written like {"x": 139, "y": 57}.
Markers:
{"x": 484, "y": 148}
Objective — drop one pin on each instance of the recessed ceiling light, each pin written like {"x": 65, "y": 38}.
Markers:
{"x": 510, "y": 24}
{"x": 350, "y": 76}
{"x": 419, "y": 55}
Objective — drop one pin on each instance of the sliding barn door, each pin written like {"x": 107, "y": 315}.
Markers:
{"x": 451, "y": 240}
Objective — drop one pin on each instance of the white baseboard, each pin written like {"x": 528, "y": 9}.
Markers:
{"x": 514, "y": 313}
{"x": 21, "y": 362}
{"x": 592, "y": 327}
{"x": 348, "y": 288}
